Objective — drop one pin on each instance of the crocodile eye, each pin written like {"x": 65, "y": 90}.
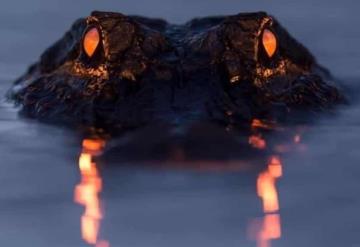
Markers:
{"x": 91, "y": 41}
{"x": 269, "y": 42}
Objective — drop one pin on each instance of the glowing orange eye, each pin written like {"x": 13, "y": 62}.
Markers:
{"x": 269, "y": 42}
{"x": 91, "y": 41}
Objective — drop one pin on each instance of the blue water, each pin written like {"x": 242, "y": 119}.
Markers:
{"x": 167, "y": 206}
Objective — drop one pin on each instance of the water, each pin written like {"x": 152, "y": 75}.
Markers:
{"x": 171, "y": 205}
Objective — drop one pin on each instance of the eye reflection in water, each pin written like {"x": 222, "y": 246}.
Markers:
{"x": 264, "y": 230}
{"x": 87, "y": 192}
{"x": 268, "y": 228}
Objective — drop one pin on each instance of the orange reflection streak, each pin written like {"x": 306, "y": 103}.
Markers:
{"x": 266, "y": 229}
{"x": 267, "y": 192}
{"x": 269, "y": 227}
{"x": 266, "y": 185}
{"x": 93, "y": 146}
{"x": 275, "y": 167}
{"x": 87, "y": 192}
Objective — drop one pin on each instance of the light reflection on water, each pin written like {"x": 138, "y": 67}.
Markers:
{"x": 262, "y": 230}
{"x": 87, "y": 192}
{"x": 269, "y": 227}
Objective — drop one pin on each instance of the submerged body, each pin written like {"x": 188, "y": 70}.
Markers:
{"x": 112, "y": 70}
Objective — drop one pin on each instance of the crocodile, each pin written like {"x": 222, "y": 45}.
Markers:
{"x": 118, "y": 71}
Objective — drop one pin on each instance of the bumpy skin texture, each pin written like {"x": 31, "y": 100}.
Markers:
{"x": 146, "y": 71}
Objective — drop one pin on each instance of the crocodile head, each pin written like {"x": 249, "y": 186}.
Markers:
{"x": 126, "y": 71}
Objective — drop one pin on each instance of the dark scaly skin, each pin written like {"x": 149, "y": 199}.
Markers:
{"x": 148, "y": 71}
